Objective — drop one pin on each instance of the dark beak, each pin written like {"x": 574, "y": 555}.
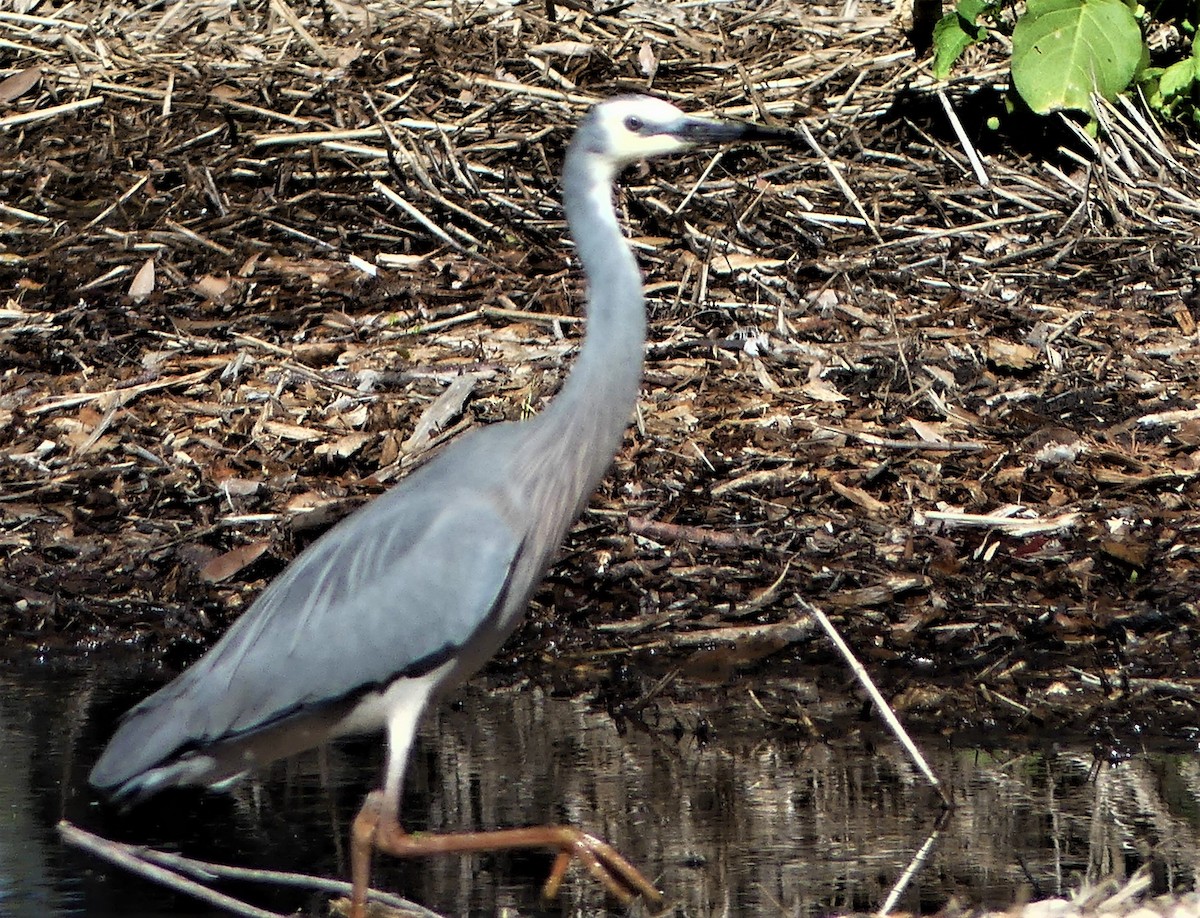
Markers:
{"x": 708, "y": 131}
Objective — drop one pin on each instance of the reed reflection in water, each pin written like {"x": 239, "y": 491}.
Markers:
{"x": 744, "y": 824}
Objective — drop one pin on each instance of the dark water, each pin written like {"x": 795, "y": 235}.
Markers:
{"x": 728, "y": 827}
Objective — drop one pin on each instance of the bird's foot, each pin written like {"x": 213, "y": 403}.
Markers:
{"x": 376, "y": 827}
{"x": 362, "y": 842}
{"x": 603, "y": 861}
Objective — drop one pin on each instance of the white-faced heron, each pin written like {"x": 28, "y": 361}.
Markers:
{"x": 410, "y": 595}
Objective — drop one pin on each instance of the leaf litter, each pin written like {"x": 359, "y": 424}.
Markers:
{"x": 259, "y": 260}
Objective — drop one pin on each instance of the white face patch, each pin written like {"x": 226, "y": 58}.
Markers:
{"x": 634, "y": 126}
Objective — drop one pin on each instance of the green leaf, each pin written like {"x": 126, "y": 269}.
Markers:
{"x": 955, "y": 32}
{"x": 1169, "y": 92}
{"x": 971, "y": 10}
{"x": 1178, "y": 78}
{"x": 1065, "y": 50}
{"x": 950, "y": 40}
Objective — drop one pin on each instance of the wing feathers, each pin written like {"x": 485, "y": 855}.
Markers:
{"x": 385, "y": 593}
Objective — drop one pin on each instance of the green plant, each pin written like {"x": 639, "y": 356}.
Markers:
{"x": 1174, "y": 92}
{"x": 957, "y": 31}
{"x": 1065, "y": 52}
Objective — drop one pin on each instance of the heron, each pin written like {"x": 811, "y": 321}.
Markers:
{"x": 411, "y": 594}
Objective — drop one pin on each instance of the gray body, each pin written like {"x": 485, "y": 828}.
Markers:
{"x": 413, "y": 593}
{"x": 423, "y": 584}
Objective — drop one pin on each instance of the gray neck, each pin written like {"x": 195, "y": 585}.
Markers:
{"x": 597, "y": 401}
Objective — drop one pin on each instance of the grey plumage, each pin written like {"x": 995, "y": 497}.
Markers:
{"x": 410, "y": 595}
{"x": 338, "y": 611}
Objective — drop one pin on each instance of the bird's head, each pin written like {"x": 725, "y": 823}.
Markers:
{"x": 631, "y": 128}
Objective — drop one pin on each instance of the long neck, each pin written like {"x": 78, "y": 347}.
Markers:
{"x": 596, "y": 402}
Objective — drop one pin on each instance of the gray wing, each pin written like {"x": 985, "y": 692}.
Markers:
{"x": 387, "y": 592}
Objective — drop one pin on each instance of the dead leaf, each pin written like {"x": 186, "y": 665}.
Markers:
{"x": 1183, "y": 317}
{"x": 291, "y": 431}
{"x": 224, "y": 566}
{"x": 858, "y": 496}
{"x": 738, "y": 261}
{"x": 18, "y": 84}
{"x": 821, "y": 391}
{"x": 240, "y": 487}
{"x": 1135, "y": 554}
{"x": 647, "y": 62}
{"x": 441, "y": 411}
{"x": 563, "y": 48}
{"x": 345, "y": 447}
{"x": 1010, "y": 356}
{"x": 400, "y": 261}
{"x": 211, "y": 287}
{"x": 880, "y": 593}
{"x": 313, "y": 510}
{"x": 226, "y": 92}
{"x": 355, "y": 417}
{"x": 927, "y": 432}
{"x": 143, "y": 282}
{"x": 310, "y": 500}
{"x": 318, "y": 353}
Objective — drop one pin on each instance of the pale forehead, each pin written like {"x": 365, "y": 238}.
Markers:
{"x": 644, "y": 107}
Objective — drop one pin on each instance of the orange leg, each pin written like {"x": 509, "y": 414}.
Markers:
{"x": 376, "y": 827}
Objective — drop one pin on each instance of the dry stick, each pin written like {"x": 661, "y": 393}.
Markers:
{"x": 290, "y": 17}
{"x": 106, "y": 278}
{"x": 428, "y": 224}
{"x": 313, "y": 137}
{"x": 836, "y": 173}
{"x": 196, "y": 238}
{"x": 968, "y": 148}
{"x": 170, "y": 870}
{"x": 696, "y": 185}
{"x": 537, "y": 92}
{"x": 1010, "y": 525}
{"x": 52, "y": 21}
{"x": 522, "y": 315}
{"x": 54, "y": 403}
{"x": 917, "y": 862}
{"x": 201, "y": 869}
{"x": 1147, "y": 127}
{"x": 676, "y": 532}
{"x": 885, "y": 443}
{"x": 791, "y": 631}
{"x": 19, "y": 214}
{"x": 497, "y": 312}
{"x": 53, "y": 111}
{"x": 881, "y": 705}
{"x": 103, "y": 215}
{"x": 130, "y": 859}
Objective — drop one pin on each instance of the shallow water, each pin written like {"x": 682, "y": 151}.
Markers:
{"x": 732, "y": 826}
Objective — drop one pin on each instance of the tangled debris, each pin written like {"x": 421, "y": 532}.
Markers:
{"x": 260, "y": 258}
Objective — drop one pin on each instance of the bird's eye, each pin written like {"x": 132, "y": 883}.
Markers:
{"x": 633, "y": 124}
